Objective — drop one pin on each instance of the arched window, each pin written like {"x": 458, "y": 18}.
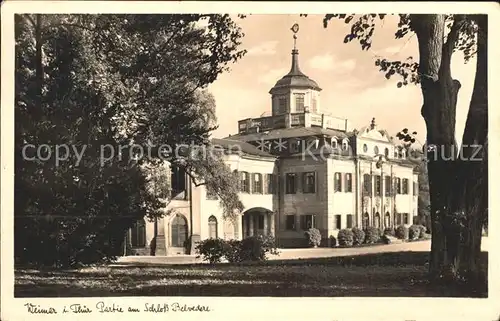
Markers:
{"x": 377, "y": 220}
{"x": 365, "y": 148}
{"x": 366, "y": 220}
{"x": 403, "y": 153}
{"x": 375, "y": 150}
{"x": 178, "y": 229}
{"x": 334, "y": 142}
{"x": 386, "y": 152}
{"x": 396, "y": 153}
{"x": 387, "y": 219}
{"x": 212, "y": 227}
{"x": 138, "y": 234}
{"x": 345, "y": 144}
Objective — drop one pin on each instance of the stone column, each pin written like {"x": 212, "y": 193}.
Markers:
{"x": 271, "y": 228}
{"x": 266, "y": 225}
{"x": 250, "y": 225}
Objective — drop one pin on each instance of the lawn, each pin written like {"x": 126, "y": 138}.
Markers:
{"x": 383, "y": 275}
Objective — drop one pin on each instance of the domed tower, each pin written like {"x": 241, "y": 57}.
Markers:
{"x": 295, "y": 92}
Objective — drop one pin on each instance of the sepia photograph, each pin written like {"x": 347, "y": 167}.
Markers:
{"x": 202, "y": 154}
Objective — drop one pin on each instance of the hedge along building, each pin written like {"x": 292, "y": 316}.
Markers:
{"x": 299, "y": 168}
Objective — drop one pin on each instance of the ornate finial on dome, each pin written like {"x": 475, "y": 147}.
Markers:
{"x": 373, "y": 124}
{"x": 295, "y": 29}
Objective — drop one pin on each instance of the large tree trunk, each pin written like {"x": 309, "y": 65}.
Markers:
{"x": 472, "y": 193}
{"x": 440, "y": 92}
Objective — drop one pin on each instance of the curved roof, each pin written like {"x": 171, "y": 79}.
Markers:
{"x": 295, "y": 77}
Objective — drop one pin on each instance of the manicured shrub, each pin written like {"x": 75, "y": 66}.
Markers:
{"x": 372, "y": 235}
{"x": 358, "y": 236}
{"x": 389, "y": 231}
{"x": 211, "y": 250}
{"x": 414, "y": 232}
{"x": 402, "y": 232}
{"x": 386, "y": 239}
{"x": 256, "y": 248}
{"x": 333, "y": 241}
{"x": 313, "y": 236}
{"x": 232, "y": 251}
{"x": 345, "y": 237}
{"x": 423, "y": 229}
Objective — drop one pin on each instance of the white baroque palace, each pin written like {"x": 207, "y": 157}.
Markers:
{"x": 299, "y": 168}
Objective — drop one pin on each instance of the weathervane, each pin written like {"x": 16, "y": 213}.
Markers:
{"x": 295, "y": 29}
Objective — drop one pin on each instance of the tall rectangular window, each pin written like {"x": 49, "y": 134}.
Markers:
{"x": 314, "y": 105}
{"x": 178, "y": 181}
{"x": 349, "y": 221}
{"x": 270, "y": 184}
{"x": 348, "y": 182}
{"x": 398, "y": 185}
{"x": 257, "y": 183}
{"x": 405, "y": 186}
{"x": 282, "y": 105}
{"x": 406, "y": 218}
{"x": 244, "y": 182}
{"x": 290, "y": 222}
{"x": 291, "y": 183}
{"x": 378, "y": 185}
{"x": 387, "y": 186}
{"x": 338, "y": 222}
{"x": 367, "y": 185}
{"x": 299, "y": 103}
{"x": 415, "y": 189}
{"x": 338, "y": 182}
{"x": 307, "y": 222}
{"x": 309, "y": 182}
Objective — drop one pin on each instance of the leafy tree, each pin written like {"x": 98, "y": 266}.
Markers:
{"x": 458, "y": 188}
{"x": 88, "y": 81}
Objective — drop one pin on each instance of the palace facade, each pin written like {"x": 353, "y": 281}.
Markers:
{"x": 299, "y": 168}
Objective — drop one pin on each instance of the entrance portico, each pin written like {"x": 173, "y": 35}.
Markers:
{"x": 257, "y": 221}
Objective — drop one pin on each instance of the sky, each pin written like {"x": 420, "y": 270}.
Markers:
{"x": 353, "y": 87}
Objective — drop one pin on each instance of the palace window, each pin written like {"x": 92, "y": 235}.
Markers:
{"x": 378, "y": 185}
{"x": 178, "y": 232}
{"x": 399, "y": 218}
{"x": 365, "y": 148}
{"x": 387, "y": 186}
{"x": 294, "y": 145}
{"x": 257, "y": 183}
{"x": 178, "y": 182}
{"x": 212, "y": 227}
{"x": 348, "y": 182}
{"x": 338, "y": 222}
{"x": 314, "y": 105}
{"x": 138, "y": 234}
{"x": 398, "y": 185}
{"x": 345, "y": 144}
{"x": 290, "y": 222}
{"x": 366, "y": 220}
{"x": 405, "y": 186}
{"x": 291, "y": 183}
{"x": 299, "y": 103}
{"x": 415, "y": 188}
{"x": 349, "y": 221}
{"x": 376, "y": 220}
{"x": 375, "y": 150}
{"x": 270, "y": 184}
{"x": 338, "y": 182}
{"x": 309, "y": 182}
{"x": 386, "y": 152}
{"x": 282, "y": 105}
{"x": 334, "y": 142}
{"x": 406, "y": 218}
{"x": 244, "y": 182}
{"x": 307, "y": 222}
{"x": 367, "y": 184}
